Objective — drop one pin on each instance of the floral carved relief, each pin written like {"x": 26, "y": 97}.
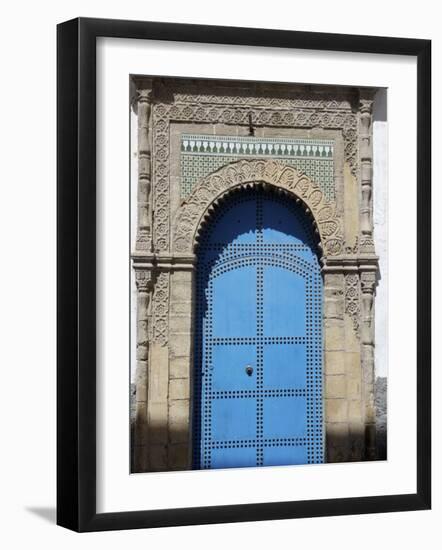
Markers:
{"x": 277, "y": 112}
{"x": 160, "y": 308}
{"x": 352, "y": 299}
{"x": 255, "y": 172}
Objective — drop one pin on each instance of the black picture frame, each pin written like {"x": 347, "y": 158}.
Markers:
{"x": 76, "y": 274}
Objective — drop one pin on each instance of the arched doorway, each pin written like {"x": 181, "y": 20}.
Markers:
{"x": 258, "y": 336}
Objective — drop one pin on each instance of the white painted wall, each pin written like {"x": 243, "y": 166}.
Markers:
{"x": 380, "y": 209}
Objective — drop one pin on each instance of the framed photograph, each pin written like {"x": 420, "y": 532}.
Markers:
{"x": 243, "y": 274}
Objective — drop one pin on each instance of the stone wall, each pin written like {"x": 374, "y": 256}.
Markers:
{"x": 173, "y": 206}
{"x": 381, "y": 418}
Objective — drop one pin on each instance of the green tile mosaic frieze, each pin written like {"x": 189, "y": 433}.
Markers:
{"x": 202, "y": 155}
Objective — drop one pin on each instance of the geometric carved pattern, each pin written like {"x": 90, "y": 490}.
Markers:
{"x": 352, "y": 299}
{"x": 160, "y": 308}
{"x": 250, "y": 173}
{"x": 203, "y": 154}
{"x": 299, "y": 112}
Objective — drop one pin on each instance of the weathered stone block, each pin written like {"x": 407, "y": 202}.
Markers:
{"x": 140, "y": 459}
{"x": 158, "y": 385}
{"x": 355, "y": 411}
{"x": 142, "y": 351}
{"x": 158, "y": 458}
{"x": 336, "y": 410}
{"x": 158, "y": 422}
{"x": 334, "y": 335}
{"x": 336, "y": 386}
{"x": 141, "y": 380}
{"x": 334, "y": 308}
{"x": 180, "y": 291}
{"x": 180, "y": 323}
{"x": 180, "y": 345}
{"x": 179, "y": 457}
{"x": 353, "y": 388}
{"x": 181, "y": 307}
{"x": 337, "y": 442}
{"x": 179, "y": 388}
{"x": 352, "y": 342}
{"x": 357, "y": 442}
{"x": 180, "y": 367}
{"x": 333, "y": 282}
{"x": 334, "y": 362}
{"x": 179, "y": 415}
{"x": 182, "y": 276}
{"x": 353, "y": 365}
{"x": 141, "y": 430}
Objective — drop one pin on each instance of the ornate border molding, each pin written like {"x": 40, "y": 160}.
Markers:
{"x": 246, "y": 173}
{"x": 352, "y": 299}
{"x": 160, "y": 308}
{"x": 144, "y": 228}
{"x": 303, "y": 113}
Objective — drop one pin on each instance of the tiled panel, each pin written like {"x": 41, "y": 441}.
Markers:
{"x": 202, "y": 155}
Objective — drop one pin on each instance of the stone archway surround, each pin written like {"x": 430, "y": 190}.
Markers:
{"x": 343, "y": 405}
{"x": 164, "y": 278}
{"x": 170, "y": 380}
{"x": 251, "y": 172}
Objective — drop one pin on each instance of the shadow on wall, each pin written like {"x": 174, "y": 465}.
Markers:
{"x": 381, "y": 417}
{"x": 381, "y": 434}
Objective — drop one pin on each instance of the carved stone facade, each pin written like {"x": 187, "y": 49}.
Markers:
{"x": 169, "y": 222}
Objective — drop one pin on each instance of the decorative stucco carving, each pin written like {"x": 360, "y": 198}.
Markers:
{"x": 144, "y": 279}
{"x": 160, "y": 308}
{"x": 246, "y": 173}
{"x": 352, "y": 299}
{"x": 144, "y": 229}
{"x": 267, "y": 98}
{"x": 368, "y": 285}
{"x": 366, "y": 155}
{"x": 303, "y": 112}
{"x": 352, "y": 249}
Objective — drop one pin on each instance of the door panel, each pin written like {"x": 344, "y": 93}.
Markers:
{"x": 233, "y": 418}
{"x": 295, "y": 454}
{"x": 287, "y": 366}
{"x": 284, "y": 417}
{"x": 229, "y": 362}
{"x": 285, "y": 302}
{"x": 258, "y": 343}
{"x": 234, "y": 303}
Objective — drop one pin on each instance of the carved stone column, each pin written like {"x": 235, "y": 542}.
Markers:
{"x": 366, "y": 160}
{"x": 144, "y": 231}
{"x": 368, "y": 285}
{"x": 144, "y": 282}
{"x": 368, "y": 270}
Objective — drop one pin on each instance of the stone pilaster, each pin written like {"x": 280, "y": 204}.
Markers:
{"x": 368, "y": 284}
{"x": 144, "y": 229}
{"x": 368, "y": 271}
{"x": 335, "y": 379}
{"x": 144, "y": 282}
{"x": 181, "y": 360}
{"x": 366, "y": 163}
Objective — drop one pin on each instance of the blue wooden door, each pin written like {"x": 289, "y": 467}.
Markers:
{"x": 258, "y": 347}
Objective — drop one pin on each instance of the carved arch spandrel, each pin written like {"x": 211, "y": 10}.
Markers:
{"x": 245, "y": 173}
